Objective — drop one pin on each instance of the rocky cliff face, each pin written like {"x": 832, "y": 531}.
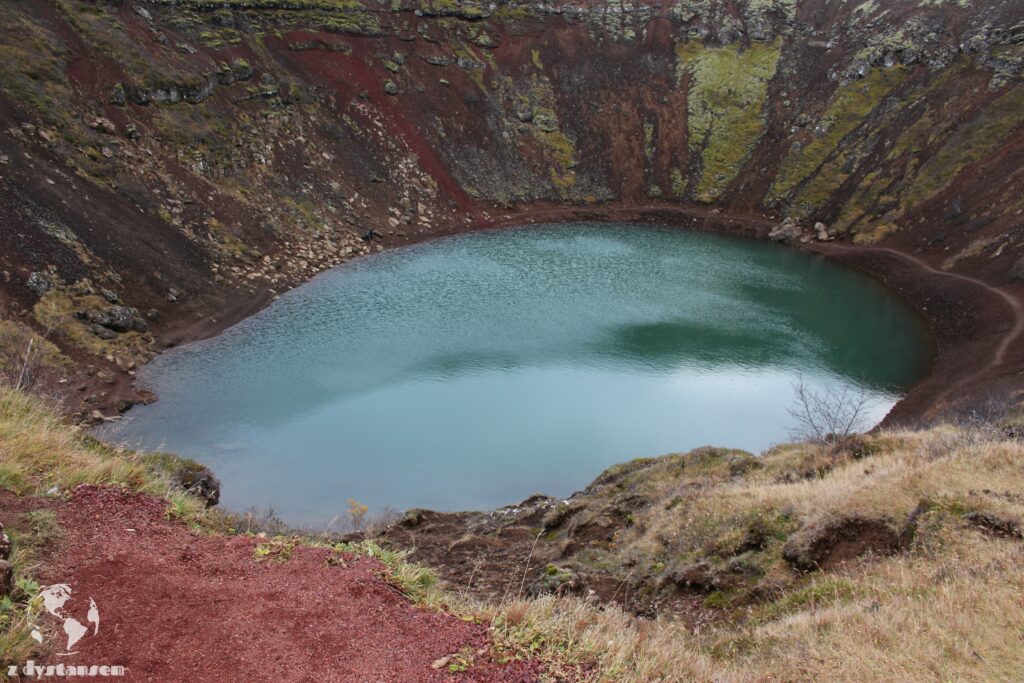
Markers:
{"x": 168, "y": 160}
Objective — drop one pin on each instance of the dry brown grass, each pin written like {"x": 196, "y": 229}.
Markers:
{"x": 949, "y": 607}
{"x": 39, "y": 450}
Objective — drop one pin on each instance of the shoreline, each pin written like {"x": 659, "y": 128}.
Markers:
{"x": 967, "y": 326}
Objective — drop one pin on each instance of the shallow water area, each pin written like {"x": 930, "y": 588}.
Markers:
{"x": 473, "y": 371}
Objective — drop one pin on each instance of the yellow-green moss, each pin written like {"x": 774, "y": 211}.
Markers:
{"x": 851, "y": 104}
{"x": 21, "y": 348}
{"x": 563, "y": 159}
{"x": 726, "y": 98}
{"x": 968, "y": 144}
{"x": 679, "y": 182}
{"x": 55, "y": 311}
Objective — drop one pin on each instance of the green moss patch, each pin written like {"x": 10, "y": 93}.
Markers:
{"x": 850, "y": 106}
{"x": 726, "y": 100}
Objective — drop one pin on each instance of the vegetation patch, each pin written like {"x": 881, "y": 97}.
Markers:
{"x": 850, "y": 106}
{"x": 726, "y": 99}
{"x": 968, "y": 144}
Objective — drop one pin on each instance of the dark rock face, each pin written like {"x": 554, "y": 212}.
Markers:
{"x": 995, "y": 525}
{"x": 744, "y": 115}
{"x": 39, "y": 283}
{"x": 201, "y": 481}
{"x": 838, "y": 540}
{"x": 117, "y": 319}
{"x": 5, "y": 544}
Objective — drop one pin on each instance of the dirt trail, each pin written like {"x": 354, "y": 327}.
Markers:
{"x": 176, "y": 606}
{"x": 1016, "y": 308}
{"x": 1013, "y": 303}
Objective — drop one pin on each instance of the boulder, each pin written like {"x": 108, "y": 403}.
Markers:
{"x": 546, "y": 121}
{"x": 835, "y": 540}
{"x": 40, "y": 283}
{"x": 786, "y": 231}
{"x": 102, "y": 332}
{"x": 104, "y": 125}
{"x": 119, "y": 319}
{"x": 124, "y": 319}
{"x": 200, "y": 481}
{"x": 821, "y": 232}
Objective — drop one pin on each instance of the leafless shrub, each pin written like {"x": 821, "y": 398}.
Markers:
{"x": 828, "y": 415}
{"x": 974, "y": 422}
{"x": 19, "y": 360}
{"x": 985, "y": 409}
{"x": 359, "y": 518}
{"x": 263, "y": 520}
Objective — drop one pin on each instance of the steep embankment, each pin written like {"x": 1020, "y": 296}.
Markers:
{"x": 811, "y": 562}
{"x": 186, "y": 593}
{"x": 168, "y": 166}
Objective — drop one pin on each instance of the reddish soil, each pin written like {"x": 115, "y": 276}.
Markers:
{"x": 177, "y": 606}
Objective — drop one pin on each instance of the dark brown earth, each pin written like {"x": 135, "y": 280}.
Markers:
{"x": 178, "y": 606}
{"x": 309, "y": 151}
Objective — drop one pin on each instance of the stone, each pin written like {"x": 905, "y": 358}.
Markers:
{"x": 546, "y": 121}
{"x": 786, "y": 231}
{"x": 120, "y": 319}
{"x": 5, "y": 544}
{"x": 104, "y": 125}
{"x": 200, "y": 481}
{"x": 40, "y": 283}
{"x": 821, "y": 232}
{"x": 118, "y": 97}
{"x": 524, "y": 112}
{"x": 102, "y": 332}
{"x": 390, "y": 88}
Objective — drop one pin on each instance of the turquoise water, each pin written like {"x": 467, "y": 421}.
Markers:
{"x": 473, "y": 371}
